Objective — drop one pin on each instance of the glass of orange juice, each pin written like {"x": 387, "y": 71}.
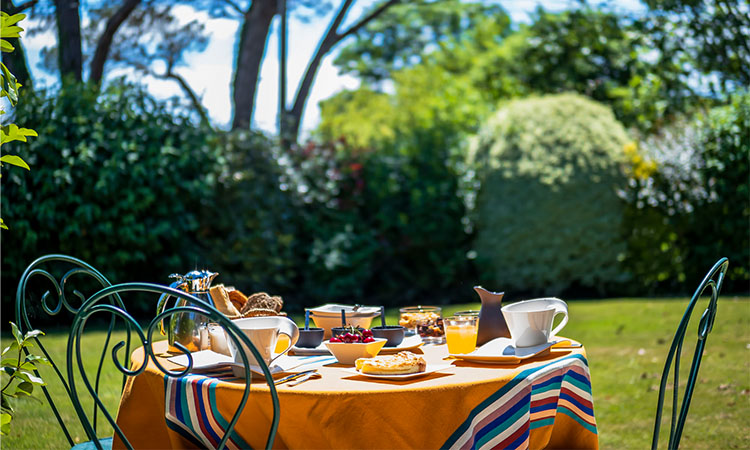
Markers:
{"x": 461, "y": 333}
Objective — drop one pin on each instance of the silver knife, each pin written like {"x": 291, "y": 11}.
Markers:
{"x": 305, "y": 378}
{"x": 294, "y": 376}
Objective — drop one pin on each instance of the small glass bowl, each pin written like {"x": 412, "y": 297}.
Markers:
{"x": 427, "y": 321}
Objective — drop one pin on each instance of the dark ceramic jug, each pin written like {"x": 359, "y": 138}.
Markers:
{"x": 491, "y": 321}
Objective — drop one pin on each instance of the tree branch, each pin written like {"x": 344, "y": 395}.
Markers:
{"x": 191, "y": 95}
{"x": 331, "y": 38}
{"x": 20, "y": 8}
{"x": 365, "y": 20}
{"x": 105, "y": 40}
{"x": 235, "y": 7}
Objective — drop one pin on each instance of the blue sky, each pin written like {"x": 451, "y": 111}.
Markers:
{"x": 210, "y": 72}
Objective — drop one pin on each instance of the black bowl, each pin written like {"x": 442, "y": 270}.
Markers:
{"x": 310, "y": 338}
{"x": 394, "y": 334}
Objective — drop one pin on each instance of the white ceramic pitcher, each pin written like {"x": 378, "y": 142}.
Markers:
{"x": 263, "y": 332}
{"x": 530, "y": 321}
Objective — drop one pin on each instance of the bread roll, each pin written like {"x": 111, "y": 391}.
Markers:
{"x": 221, "y": 301}
{"x": 238, "y": 299}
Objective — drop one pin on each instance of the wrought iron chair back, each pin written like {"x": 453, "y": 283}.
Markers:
{"x": 99, "y": 304}
{"x": 73, "y": 274}
{"x": 713, "y": 280}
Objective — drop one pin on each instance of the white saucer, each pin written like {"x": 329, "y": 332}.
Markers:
{"x": 409, "y": 343}
{"x": 502, "y": 351}
{"x": 429, "y": 369}
{"x": 319, "y": 350}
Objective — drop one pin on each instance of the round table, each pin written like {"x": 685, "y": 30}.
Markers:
{"x": 543, "y": 403}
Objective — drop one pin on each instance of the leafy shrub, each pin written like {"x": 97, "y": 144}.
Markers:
{"x": 722, "y": 219}
{"x": 547, "y": 214}
{"x": 119, "y": 180}
{"x": 664, "y": 186}
{"x": 693, "y": 207}
{"x": 251, "y": 226}
{"x": 382, "y": 227}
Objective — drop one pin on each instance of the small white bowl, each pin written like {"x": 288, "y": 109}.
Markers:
{"x": 347, "y": 353}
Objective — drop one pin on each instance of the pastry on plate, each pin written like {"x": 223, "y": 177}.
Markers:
{"x": 401, "y": 363}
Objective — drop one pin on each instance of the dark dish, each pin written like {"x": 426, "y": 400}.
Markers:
{"x": 394, "y": 334}
{"x": 310, "y": 338}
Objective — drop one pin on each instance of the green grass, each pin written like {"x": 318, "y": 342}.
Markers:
{"x": 626, "y": 342}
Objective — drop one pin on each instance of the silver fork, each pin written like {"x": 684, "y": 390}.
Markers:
{"x": 304, "y": 378}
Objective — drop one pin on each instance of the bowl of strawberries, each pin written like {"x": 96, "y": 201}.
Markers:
{"x": 353, "y": 343}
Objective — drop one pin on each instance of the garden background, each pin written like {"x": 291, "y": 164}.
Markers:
{"x": 589, "y": 152}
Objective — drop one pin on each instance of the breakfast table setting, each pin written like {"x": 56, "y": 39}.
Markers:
{"x": 499, "y": 377}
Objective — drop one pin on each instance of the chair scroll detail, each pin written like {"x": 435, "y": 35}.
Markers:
{"x": 97, "y": 304}
{"x": 40, "y": 275}
{"x": 713, "y": 280}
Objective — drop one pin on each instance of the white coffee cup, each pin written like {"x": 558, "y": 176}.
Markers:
{"x": 530, "y": 321}
{"x": 263, "y": 332}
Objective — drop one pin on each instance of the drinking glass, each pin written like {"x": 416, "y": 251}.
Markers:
{"x": 461, "y": 333}
{"x": 468, "y": 312}
{"x": 426, "y": 321}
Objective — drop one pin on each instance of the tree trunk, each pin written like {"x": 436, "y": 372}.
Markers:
{"x": 16, "y": 63}
{"x": 294, "y": 118}
{"x": 330, "y": 39}
{"x": 105, "y": 40}
{"x": 69, "y": 39}
{"x": 253, "y": 36}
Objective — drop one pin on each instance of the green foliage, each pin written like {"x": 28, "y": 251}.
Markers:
{"x": 121, "y": 181}
{"x": 383, "y": 227}
{"x": 9, "y": 89}
{"x": 721, "y": 220}
{"x": 692, "y": 208}
{"x": 362, "y": 118}
{"x": 546, "y": 212}
{"x": 251, "y": 226}
{"x": 406, "y": 32}
{"x": 642, "y": 67}
{"x": 18, "y": 373}
{"x": 598, "y": 53}
{"x": 712, "y": 35}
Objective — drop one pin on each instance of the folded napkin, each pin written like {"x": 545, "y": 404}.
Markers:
{"x": 206, "y": 361}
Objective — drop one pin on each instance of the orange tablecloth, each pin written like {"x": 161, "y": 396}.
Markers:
{"x": 544, "y": 403}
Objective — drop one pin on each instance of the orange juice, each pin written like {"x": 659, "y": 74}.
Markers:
{"x": 461, "y": 338}
{"x": 282, "y": 343}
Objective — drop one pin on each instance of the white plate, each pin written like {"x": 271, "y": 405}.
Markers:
{"x": 430, "y": 369}
{"x": 502, "y": 351}
{"x": 409, "y": 343}
{"x": 319, "y": 350}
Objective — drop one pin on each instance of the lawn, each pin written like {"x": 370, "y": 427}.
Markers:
{"x": 626, "y": 341}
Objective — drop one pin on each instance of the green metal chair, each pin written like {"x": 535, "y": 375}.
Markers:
{"x": 713, "y": 280}
{"x": 47, "y": 291}
{"x": 99, "y": 304}
{"x": 48, "y": 288}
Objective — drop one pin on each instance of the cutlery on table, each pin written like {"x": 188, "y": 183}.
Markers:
{"x": 309, "y": 376}
{"x": 295, "y": 376}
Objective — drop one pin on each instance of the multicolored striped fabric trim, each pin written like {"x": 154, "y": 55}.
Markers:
{"x": 191, "y": 410}
{"x": 191, "y": 403}
{"x": 531, "y": 400}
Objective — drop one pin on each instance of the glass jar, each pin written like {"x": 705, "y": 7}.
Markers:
{"x": 427, "y": 321}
